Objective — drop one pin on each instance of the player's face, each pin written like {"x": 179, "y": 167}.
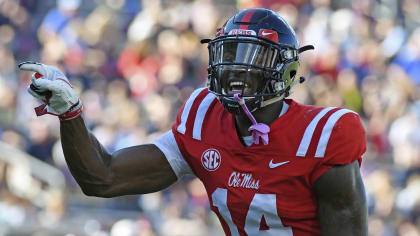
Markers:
{"x": 235, "y": 76}
{"x": 239, "y": 79}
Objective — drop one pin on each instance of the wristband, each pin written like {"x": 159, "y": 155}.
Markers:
{"x": 73, "y": 112}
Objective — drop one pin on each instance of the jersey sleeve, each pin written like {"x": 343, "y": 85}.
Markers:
{"x": 341, "y": 144}
{"x": 167, "y": 144}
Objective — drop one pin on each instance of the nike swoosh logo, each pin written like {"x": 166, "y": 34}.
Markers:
{"x": 265, "y": 34}
{"x": 274, "y": 165}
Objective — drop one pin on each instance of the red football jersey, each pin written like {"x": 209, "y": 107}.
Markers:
{"x": 266, "y": 189}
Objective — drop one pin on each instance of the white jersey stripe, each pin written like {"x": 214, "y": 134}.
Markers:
{"x": 309, "y": 132}
{"x": 184, "y": 116}
{"x": 326, "y": 131}
{"x": 201, "y": 113}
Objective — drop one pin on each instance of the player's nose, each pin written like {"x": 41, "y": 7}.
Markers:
{"x": 235, "y": 72}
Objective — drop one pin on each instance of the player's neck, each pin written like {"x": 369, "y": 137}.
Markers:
{"x": 266, "y": 115}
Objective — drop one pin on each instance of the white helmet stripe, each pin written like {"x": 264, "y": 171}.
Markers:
{"x": 184, "y": 116}
{"x": 326, "y": 131}
{"x": 309, "y": 132}
{"x": 201, "y": 113}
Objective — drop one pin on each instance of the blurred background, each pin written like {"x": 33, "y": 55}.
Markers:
{"x": 134, "y": 63}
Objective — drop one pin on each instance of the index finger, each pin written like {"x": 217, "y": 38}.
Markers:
{"x": 32, "y": 66}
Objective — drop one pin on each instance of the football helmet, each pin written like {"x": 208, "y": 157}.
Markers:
{"x": 256, "y": 55}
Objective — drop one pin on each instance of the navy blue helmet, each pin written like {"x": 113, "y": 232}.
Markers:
{"x": 260, "y": 46}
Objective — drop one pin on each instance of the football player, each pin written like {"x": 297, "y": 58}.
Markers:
{"x": 270, "y": 165}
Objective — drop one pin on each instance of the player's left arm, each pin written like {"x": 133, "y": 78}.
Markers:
{"x": 342, "y": 207}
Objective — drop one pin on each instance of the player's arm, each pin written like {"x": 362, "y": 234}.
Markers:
{"x": 134, "y": 170}
{"x": 342, "y": 207}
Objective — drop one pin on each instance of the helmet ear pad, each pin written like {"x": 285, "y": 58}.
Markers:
{"x": 288, "y": 73}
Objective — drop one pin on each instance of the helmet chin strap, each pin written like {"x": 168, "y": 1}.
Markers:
{"x": 271, "y": 101}
{"x": 258, "y": 129}
{"x": 281, "y": 97}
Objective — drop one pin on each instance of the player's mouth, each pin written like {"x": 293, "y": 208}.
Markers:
{"x": 235, "y": 86}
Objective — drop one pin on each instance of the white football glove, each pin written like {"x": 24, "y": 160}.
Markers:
{"x": 52, "y": 87}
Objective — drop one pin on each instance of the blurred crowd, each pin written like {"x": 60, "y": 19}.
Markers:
{"x": 134, "y": 63}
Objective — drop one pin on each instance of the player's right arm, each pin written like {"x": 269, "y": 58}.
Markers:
{"x": 133, "y": 170}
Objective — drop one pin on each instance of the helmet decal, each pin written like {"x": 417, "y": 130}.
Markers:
{"x": 242, "y": 32}
{"x": 269, "y": 34}
{"x": 220, "y": 32}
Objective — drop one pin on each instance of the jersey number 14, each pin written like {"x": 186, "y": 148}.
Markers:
{"x": 262, "y": 205}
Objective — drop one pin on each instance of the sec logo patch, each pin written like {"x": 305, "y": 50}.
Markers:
{"x": 211, "y": 159}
